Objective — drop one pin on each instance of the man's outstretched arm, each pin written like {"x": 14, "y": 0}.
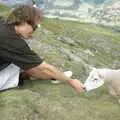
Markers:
{"x": 47, "y": 71}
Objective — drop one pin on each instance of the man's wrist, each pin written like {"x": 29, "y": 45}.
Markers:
{"x": 70, "y": 80}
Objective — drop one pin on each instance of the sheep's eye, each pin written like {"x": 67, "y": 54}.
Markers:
{"x": 95, "y": 79}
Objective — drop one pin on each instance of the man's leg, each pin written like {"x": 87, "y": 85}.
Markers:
{"x": 9, "y": 77}
{"x": 42, "y": 76}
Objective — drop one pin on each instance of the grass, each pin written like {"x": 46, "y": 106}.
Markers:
{"x": 44, "y": 101}
{"x": 41, "y": 100}
{"x": 4, "y": 10}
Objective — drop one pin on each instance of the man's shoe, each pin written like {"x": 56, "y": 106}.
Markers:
{"x": 66, "y": 73}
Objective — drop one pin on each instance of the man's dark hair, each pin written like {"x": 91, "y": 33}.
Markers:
{"x": 25, "y": 13}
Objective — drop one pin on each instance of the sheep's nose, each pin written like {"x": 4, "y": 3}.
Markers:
{"x": 84, "y": 88}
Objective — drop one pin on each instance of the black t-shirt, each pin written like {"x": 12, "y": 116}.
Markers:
{"x": 14, "y": 49}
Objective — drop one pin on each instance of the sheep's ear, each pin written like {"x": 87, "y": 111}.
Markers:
{"x": 100, "y": 75}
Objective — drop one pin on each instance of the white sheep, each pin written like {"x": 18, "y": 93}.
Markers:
{"x": 110, "y": 77}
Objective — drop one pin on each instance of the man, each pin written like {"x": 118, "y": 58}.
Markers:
{"x": 15, "y": 54}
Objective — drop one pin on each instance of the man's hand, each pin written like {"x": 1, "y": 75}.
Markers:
{"x": 77, "y": 85}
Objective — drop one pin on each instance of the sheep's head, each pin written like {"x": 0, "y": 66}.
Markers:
{"x": 94, "y": 80}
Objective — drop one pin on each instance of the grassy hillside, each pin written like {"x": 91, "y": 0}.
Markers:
{"x": 4, "y": 10}
{"x": 69, "y": 46}
{"x": 74, "y": 43}
{"x": 3, "y": 7}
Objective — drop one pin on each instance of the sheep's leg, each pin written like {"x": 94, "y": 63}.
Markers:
{"x": 112, "y": 92}
{"x": 117, "y": 89}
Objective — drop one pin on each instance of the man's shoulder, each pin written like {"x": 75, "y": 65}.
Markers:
{"x": 4, "y": 28}
{"x": 9, "y": 37}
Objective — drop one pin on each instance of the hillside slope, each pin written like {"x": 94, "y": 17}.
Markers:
{"x": 3, "y": 7}
{"x": 105, "y": 12}
{"x": 69, "y": 46}
{"x": 4, "y": 10}
{"x": 78, "y": 44}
